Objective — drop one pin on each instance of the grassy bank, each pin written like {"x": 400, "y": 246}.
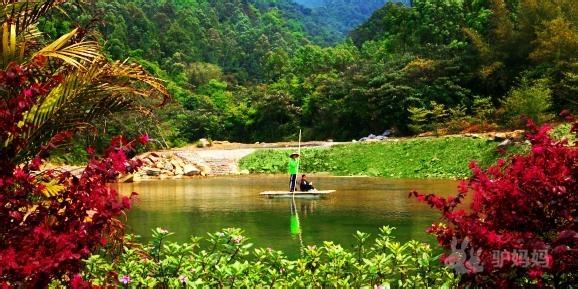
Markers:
{"x": 447, "y": 157}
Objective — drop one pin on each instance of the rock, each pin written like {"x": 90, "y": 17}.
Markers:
{"x": 205, "y": 170}
{"x": 160, "y": 165}
{"x": 153, "y": 158}
{"x": 234, "y": 170}
{"x": 505, "y": 144}
{"x": 373, "y": 140}
{"x": 500, "y": 136}
{"x": 518, "y": 135}
{"x": 179, "y": 171}
{"x": 245, "y": 172}
{"x": 190, "y": 170}
{"x": 153, "y": 172}
{"x": 168, "y": 167}
{"x": 126, "y": 179}
{"x": 203, "y": 143}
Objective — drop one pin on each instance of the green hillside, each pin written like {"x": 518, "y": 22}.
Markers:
{"x": 255, "y": 71}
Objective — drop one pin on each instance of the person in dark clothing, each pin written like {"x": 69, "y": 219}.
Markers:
{"x": 305, "y": 185}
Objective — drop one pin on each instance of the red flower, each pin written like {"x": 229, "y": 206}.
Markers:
{"x": 143, "y": 139}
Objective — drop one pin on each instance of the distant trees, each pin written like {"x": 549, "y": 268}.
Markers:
{"x": 456, "y": 54}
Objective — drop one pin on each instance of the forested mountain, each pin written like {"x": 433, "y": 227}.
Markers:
{"x": 339, "y": 17}
{"x": 248, "y": 70}
{"x": 310, "y": 3}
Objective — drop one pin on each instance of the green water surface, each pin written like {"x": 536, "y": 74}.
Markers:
{"x": 199, "y": 206}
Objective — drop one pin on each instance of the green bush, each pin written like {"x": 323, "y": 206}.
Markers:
{"x": 413, "y": 158}
{"x": 563, "y": 132}
{"x": 533, "y": 100}
{"x": 224, "y": 259}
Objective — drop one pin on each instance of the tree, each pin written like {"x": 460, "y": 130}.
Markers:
{"x": 533, "y": 100}
{"x": 50, "y": 221}
{"x": 520, "y": 230}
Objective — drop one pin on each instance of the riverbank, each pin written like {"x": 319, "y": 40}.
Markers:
{"x": 421, "y": 158}
{"x": 416, "y": 158}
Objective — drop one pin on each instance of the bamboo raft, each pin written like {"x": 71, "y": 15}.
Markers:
{"x": 287, "y": 194}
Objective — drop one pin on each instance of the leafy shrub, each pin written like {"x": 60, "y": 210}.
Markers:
{"x": 532, "y": 100}
{"x": 521, "y": 224}
{"x": 424, "y": 119}
{"x": 50, "y": 220}
{"x": 224, "y": 259}
{"x": 414, "y": 158}
{"x": 564, "y": 131}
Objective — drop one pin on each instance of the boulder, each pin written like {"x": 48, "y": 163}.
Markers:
{"x": 168, "y": 167}
{"x": 153, "y": 172}
{"x": 190, "y": 170}
{"x": 505, "y": 144}
{"x": 175, "y": 163}
{"x": 500, "y": 136}
{"x": 203, "y": 143}
{"x": 126, "y": 178}
{"x": 153, "y": 158}
{"x": 517, "y": 135}
{"x": 146, "y": 161}
{"x": 205, "y": 169}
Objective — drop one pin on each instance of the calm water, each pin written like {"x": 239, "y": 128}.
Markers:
{"x": 199, "y": 206}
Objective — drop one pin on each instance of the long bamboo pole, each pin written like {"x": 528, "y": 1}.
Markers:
{"x": 298, "y": 163}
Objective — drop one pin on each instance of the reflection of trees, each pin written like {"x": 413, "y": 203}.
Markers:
{"x": 307, "y": 207}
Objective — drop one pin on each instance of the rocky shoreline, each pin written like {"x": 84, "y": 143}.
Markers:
{"x": 185, "y": 164}
{"x": 224, "y": 161}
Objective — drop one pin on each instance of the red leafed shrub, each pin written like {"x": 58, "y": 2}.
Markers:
{"x": 521, "y": 228}
{"x": 50, "y": 221}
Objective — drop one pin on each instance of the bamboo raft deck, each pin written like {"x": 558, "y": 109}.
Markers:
{"x": 287, "y": 194}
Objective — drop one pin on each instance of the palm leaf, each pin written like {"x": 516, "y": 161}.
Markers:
{"x": 87, "y": 95}
{"x": 73, "y": 54}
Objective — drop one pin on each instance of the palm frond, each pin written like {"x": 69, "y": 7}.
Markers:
{"x": 84, "y": 96}
{"x": 73, "y": 54}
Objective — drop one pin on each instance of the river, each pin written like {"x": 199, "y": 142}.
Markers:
{"x": 199, "y": 206}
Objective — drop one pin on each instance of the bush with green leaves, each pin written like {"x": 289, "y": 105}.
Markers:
{"x": 225, "y": 259}
{"x": 532, "y": 100}
{"x": 422, "y": 158}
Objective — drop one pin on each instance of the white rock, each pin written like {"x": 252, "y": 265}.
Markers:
{"x": 190, "y": 170}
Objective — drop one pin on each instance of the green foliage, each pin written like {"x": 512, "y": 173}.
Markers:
{"x": 415, "y": 158}
{"x": 225, "y": 259}
{"x": 472, "y": 59}
{"x": 424, "y": 119}
{"x": 564, "y": 132}
{"x": 532, "y": 100}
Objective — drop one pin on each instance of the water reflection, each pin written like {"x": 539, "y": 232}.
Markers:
{"x": 200, "y": 206}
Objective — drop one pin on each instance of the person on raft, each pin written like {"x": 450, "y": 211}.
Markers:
{"x": 293, "y": 169}
{"x": 305, "y": 185}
